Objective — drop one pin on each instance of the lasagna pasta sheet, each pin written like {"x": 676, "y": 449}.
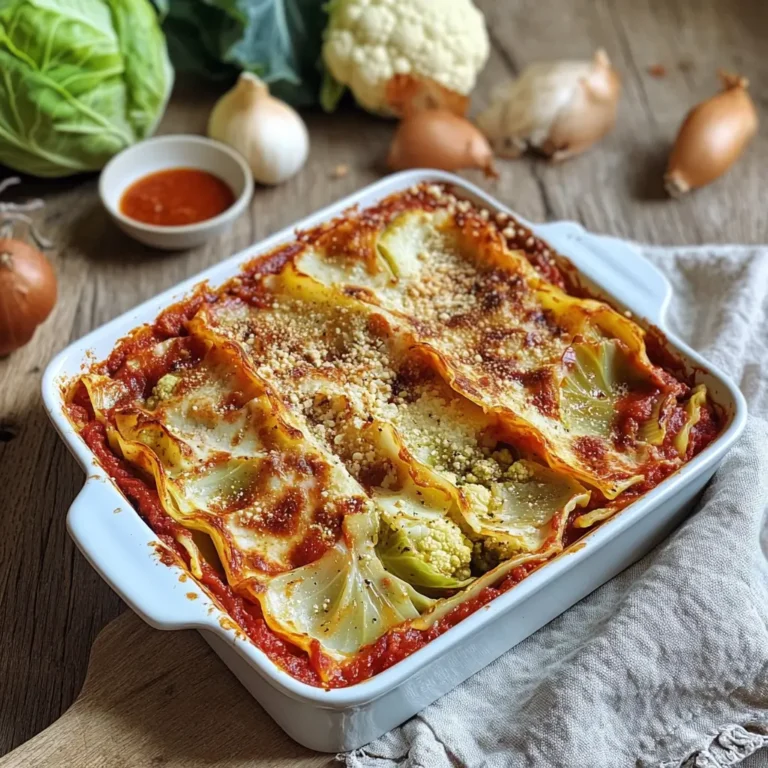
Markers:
{"x": 371, "y": 426}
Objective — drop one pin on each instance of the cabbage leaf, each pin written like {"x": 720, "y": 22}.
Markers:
{"x": 588, "y": 519}
{"x": 693, "y": 408}
{"x": 80, "y": 80}
{"x": 344, "y": 600}
{"x": 525, "y": 512}
{"x": 590, "y": 388}
{"x": 420, "y": 544}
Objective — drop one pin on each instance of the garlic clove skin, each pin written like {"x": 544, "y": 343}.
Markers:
{"x": 559, "y": 108}
{"x": 712, "y": 137}
{"x": 269, "y": 133}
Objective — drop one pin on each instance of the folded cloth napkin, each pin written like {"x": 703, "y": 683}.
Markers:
{"x": 667, "y": 664}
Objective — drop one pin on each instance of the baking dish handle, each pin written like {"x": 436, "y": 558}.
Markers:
{"x": 615, "y": 265}
{"x": 161, "y": 595}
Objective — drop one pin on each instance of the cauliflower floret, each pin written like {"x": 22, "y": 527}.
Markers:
{"x": 424, "y": 548}
{"x": 488, "y": 553}
{"x": 477, "y": 496}
{"x": 442, "y": 545}
{"x": 485, "y": 471}
{"x": 519, "y": 472}
{"x": 367, "y": 42}
{"x": 163, "y": 389}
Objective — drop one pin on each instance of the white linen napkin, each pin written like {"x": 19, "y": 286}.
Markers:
{"x": 667, "y": 664}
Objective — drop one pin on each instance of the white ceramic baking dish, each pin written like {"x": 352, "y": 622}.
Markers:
{"x": 119, "y": 545}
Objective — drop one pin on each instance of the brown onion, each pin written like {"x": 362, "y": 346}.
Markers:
{"x": 437, "y": 138}
{"x": 27, "y": 293}
{"x": 712, "y": 137}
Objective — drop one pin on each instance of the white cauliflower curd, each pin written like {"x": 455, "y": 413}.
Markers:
{"x": 367, "y": 42}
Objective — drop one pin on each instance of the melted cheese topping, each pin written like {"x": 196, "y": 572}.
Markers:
{"x": 231, "y": 462}
{"x": 501, "y": 334}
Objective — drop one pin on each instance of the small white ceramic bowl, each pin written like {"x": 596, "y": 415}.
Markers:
{"x": 178, "y": 151}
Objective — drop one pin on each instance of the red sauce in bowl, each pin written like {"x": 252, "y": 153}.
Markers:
{"x": 175, "y": 197}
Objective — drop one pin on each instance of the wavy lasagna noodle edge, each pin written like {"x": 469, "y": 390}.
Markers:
{"x": 371, "y": 431}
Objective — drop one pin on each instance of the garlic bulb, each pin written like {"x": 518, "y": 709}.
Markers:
{"x": 712, "y": 137}
{"x": 559, "y": 108}
{"x": 266, "y": 131}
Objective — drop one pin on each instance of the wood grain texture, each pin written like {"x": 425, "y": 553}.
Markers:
{"x": 151, "y": 699}
{"x": 52, "y": 604}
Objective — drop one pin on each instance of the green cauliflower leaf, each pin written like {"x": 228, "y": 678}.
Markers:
{"x": 278, "y": 40}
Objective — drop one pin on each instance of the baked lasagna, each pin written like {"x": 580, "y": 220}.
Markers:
{"x": 377, "y": 428}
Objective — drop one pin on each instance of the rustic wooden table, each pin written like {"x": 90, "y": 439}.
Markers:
{"x": 52, "y": 604}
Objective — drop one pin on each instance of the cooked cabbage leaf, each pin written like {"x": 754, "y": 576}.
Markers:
{"x": 104, "y": 393}
{"x": 420, "y": 544}
{"x": 654, "y": 430}
{"x": 404, "y": 244}
{"x": 593, "y": 321}
{"x": 232, "y": 462}
{"x": 344, "y": 600}
{"x": 590, "y": 388}
{"x": 597, "y": 376}
{"x": 693, "y": 407}
{"x": 81, "y": 80}
{"x": 588, "y": 519}
{"x": 526, "y": 513}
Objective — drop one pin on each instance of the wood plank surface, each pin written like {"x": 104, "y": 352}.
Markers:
{"x": 152, "y": 699}
{"x": 52, "y": 604}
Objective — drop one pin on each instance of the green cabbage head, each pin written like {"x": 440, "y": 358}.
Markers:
{"x": 79, "y": 81}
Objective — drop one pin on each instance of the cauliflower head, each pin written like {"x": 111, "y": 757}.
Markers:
{"x": 368, "y": 42}
{"x": 424, "y": 548}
